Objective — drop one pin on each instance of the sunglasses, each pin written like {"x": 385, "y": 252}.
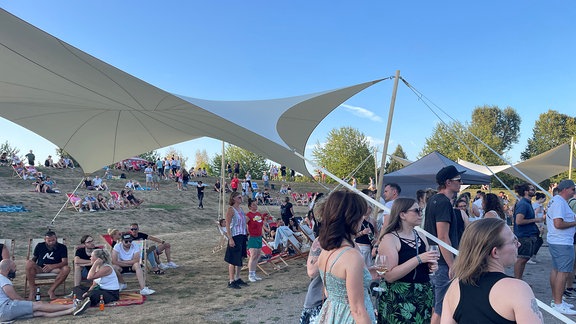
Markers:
{"x": 91, "y": 241}
{"x": 417, "y": 210}
{"x": 127, "y": 241}
{"x": 133, "y": 229}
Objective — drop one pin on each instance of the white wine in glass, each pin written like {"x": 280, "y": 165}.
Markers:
{"x": 380, "y": 264}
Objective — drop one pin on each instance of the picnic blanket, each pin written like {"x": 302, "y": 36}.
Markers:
{"x": 126, "y": 299}
{"x": 12, "y": 208}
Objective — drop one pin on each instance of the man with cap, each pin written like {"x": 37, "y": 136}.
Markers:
{"x": 442, "y": 221}
{"x": 560, "y": 224}
{"x": 126, "y": 258}
{"x": 525, "y": 227}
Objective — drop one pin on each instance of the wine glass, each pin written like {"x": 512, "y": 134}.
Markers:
{"x": 436, "y": 251}
{"x": 381, "y": 268}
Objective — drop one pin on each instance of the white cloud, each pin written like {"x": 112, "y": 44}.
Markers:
{"x": 363, "y": 112}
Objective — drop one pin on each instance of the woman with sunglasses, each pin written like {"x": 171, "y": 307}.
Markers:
{"x": 410, "y": 294}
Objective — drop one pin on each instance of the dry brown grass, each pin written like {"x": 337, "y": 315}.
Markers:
{"x": 194, "y": 293}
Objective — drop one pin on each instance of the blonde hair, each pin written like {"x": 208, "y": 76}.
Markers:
{"x": 112, "y": 231}
{"x": 476, "y": 246}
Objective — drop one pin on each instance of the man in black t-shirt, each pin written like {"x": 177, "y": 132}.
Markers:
{"x": 82, "y": 262}
{"x": 49, "y": 256}
{"x": 154, "y": 251}
{"x": 443, "y": 222}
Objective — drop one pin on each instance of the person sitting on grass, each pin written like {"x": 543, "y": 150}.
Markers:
{"x": 133, "y": 200}
{"x": 99, "y": 184}
{"x": 102, "y": 202}
{"x": 104, "y": 280}
{"x": 14, "y": 307}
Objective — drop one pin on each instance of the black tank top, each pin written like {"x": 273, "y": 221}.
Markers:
{"x": 407, "y": 251}
{"x": 474, "y": 306}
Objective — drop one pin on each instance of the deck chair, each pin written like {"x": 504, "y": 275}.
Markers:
{"x": 42, "y": 279}
{"x": 9, "y": 244}
{"x": 307, "y": 233}
{"x": 275, "y": 261}
{"x": 222, "y": 242}
{"x": 17, "y": 172}
{"x": 297, "y": 200}
{"x": 70, "y": 204}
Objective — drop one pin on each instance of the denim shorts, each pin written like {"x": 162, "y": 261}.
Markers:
{"x": 562, "y": 257}
{"x": 441, "y": 282}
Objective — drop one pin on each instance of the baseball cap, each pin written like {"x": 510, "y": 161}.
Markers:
{"x": 565, "y": 184}
{"x": 447, "y": 173}
{"x": 127, "y": 236}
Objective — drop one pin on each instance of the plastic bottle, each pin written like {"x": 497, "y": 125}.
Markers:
{"x": 101, "y": 303}
{"x": 37, "y": 293}
{"x": 74, "y": 300}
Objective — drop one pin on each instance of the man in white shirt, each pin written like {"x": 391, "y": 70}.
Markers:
{"x": 126, "y": 258}
{"x": 561, "y": 228}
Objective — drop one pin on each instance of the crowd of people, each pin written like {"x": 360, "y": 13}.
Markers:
{"x": 102, "y": 266}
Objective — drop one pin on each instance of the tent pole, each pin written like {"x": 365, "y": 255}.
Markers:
{"x": 387, "y": 138}
{"x": 571, "y": 157}
{"x": 222, "y": 182}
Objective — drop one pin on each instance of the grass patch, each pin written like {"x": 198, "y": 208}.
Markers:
{"x": 164, "y": 206}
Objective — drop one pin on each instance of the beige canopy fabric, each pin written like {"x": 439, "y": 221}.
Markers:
{"x": 538, "y": 168}
{"x": 101, "y": 115}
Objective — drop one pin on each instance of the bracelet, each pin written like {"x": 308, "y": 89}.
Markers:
{"x": 419, "y": 260}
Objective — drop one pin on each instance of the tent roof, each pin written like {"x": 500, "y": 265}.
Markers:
{"x": 101, "y": 115}
{"x": 421, "y": 174}
{"x": 538, "y": 168}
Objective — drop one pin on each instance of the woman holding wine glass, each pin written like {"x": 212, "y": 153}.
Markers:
{"x": 409, "y": 297}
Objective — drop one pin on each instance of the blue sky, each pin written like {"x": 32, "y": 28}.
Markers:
{"x": 460, "y": 55}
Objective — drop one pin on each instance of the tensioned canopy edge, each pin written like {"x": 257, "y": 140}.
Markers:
{"x": 100, "y": 114}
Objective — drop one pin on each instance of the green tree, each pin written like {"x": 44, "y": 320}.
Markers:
{"x": 550, "y": 130}
{"x": 151, "y": 156}
{"x": 345, "y": 149}
{"x": 9, "y": 149}
{"x": 249, "y": 161}
{"x": 172, "y": 152}
{"x": 498, "y": 128}
{"x": 202, "y": 160}
{"x": 393, "y": 165}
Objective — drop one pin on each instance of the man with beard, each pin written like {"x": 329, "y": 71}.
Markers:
{"x": 49, "y": 256}
{"x": 525, "y": 227}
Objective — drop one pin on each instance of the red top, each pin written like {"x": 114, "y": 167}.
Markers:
{"x": 255, "y": 224}
{"x": 234, "y": 183}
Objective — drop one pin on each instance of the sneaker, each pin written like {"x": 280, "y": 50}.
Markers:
{"x": 163, "y": 266}
{"x": 568, "y": 295}
{"x": 172, "y": 265}
{"x": 530, "y": 261}
{"x": 82, "y": 306}
{"x": 80, "y": 210}
{"x": 563, "y": 303}
{"x": 563, "y": 309}
{"x": 257, "y": 278}
{"x": 146, "y": 291}
{"x": 252, "y": 279}
{"x": 233, "y": 285}
{"x": 92, "y": 210}
{"x": 241, "y": 282}
{"x": 123, "y": 286}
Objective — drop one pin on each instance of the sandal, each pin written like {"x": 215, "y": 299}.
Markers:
{"x": 158, "y": 272}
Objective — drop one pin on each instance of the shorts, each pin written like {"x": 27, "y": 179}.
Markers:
{"x": 441, "y": 282}
{"x": 255, "y": 242}
{"x": 527, "y": 246}
{"x": 16, "y": 309}
{"x": 562, "y": 257}
{"x": 127, "y": 270}
{"x": 235, "y": 254}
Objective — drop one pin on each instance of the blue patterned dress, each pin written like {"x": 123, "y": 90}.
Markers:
{"x": 336, "y": 308}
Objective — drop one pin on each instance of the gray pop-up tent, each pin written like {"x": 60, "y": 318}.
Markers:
{"x": 421, "y": 174}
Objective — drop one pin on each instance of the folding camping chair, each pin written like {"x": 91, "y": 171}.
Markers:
{"x": 42, "y": 279}
{"x": 275, "y": 261}
{"x": 223, "y": 241}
